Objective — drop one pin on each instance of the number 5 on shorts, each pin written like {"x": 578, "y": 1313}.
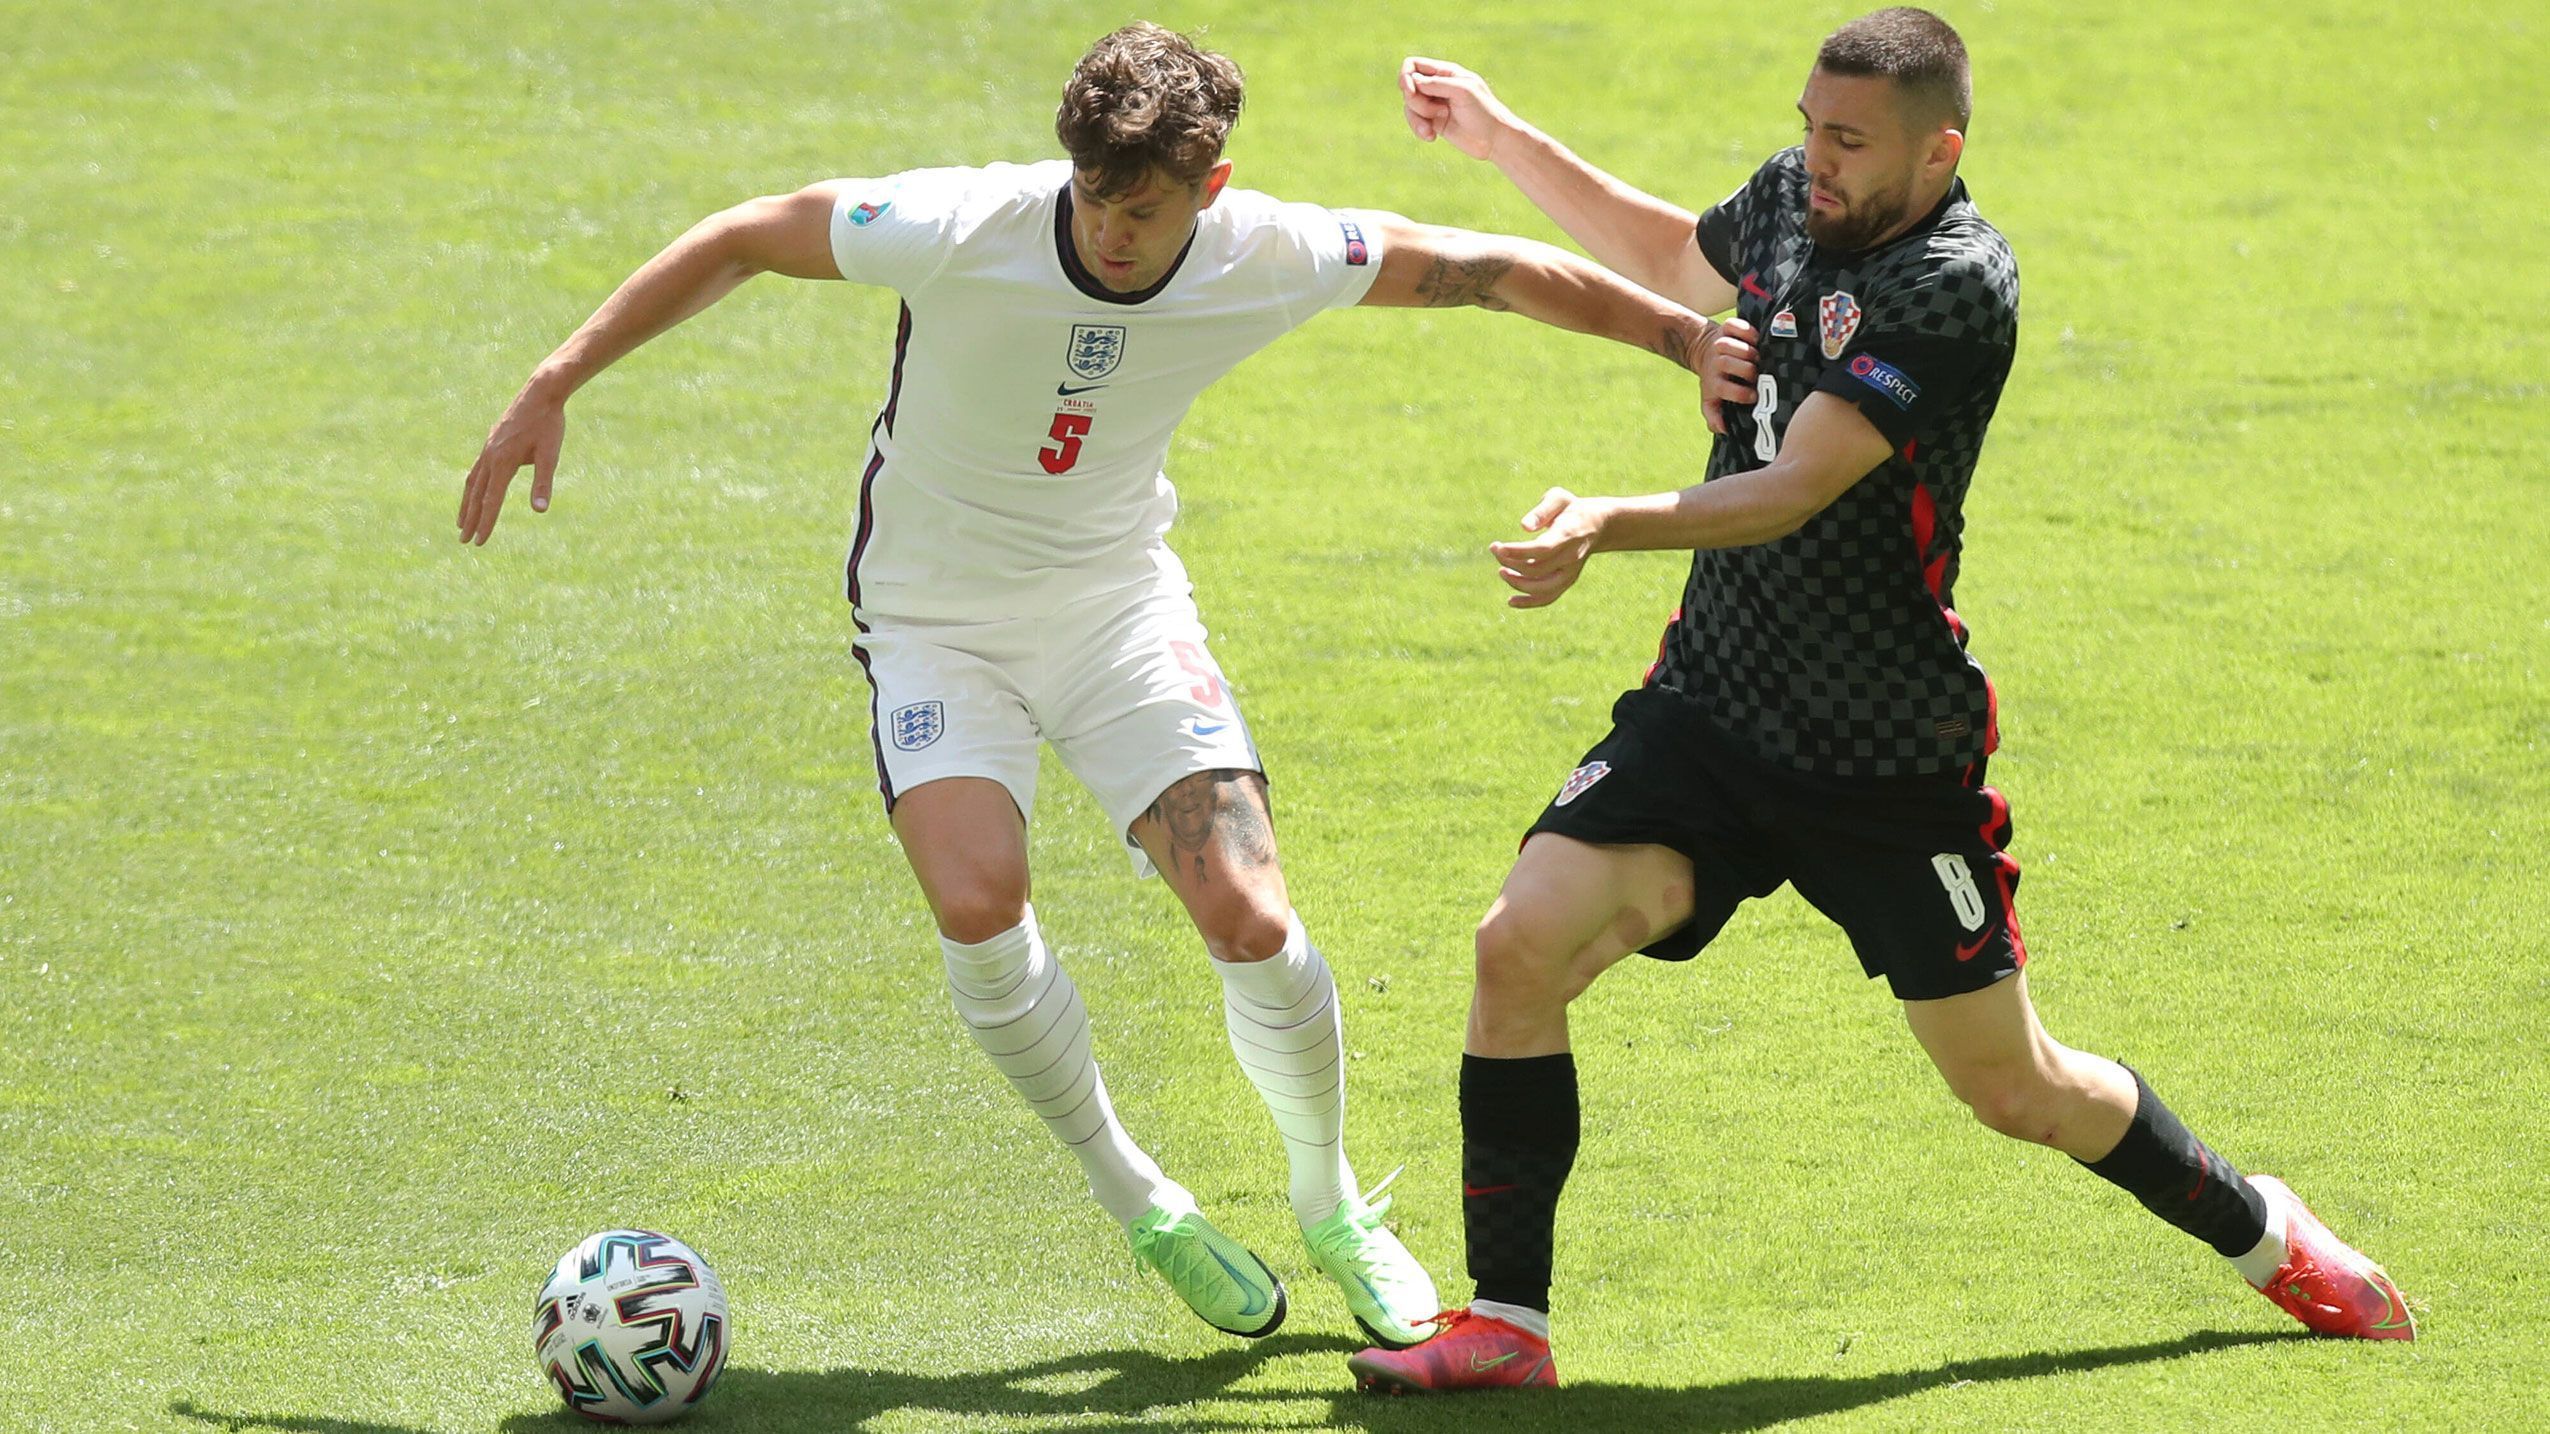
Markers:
{"x": 1207, "y": 690}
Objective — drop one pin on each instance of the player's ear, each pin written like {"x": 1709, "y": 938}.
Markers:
{"x": 1946, "y": 148}
{"x": 1214, "y": 179}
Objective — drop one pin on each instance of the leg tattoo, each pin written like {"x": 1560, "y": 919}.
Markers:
{"x": 1225, "y": 808}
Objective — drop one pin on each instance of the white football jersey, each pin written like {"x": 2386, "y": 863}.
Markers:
{"x": 1017, "y": 460}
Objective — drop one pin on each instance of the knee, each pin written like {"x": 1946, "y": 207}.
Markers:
{"x": 2017, "y": 1103}
{"x": 975, "y": 911}
{"x": 1518, "y": 962}
{"x": 1247, "y": 927}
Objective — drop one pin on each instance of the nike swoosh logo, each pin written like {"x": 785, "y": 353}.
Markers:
{"x": 1066, "y": 390}
{"x": 1968, "y": 953}
{"x": 1471, "y": 1191}
{"x": 1256, "y": 1299}
{"x": 1207, "y": 729}
{"x": 2393, "y": 1317}
{"x": 1481, "y": 1366}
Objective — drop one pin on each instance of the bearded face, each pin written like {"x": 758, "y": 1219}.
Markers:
{"x": 1873, "y": 171}
{"x": 1841, "y": 220}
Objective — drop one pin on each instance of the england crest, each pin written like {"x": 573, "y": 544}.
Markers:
{"x": 1096, "y": 349}
{"x": 1578, "y": 780}
{"x": 1837, "y": 318}
{"x": 917, "y": 726}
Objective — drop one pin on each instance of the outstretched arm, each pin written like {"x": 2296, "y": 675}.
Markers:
{"x": 1634, "y": 232}
{"x": 1427, "y": 266}
{"x": 1829, "y": 446}
{"x": 787, "y": 234}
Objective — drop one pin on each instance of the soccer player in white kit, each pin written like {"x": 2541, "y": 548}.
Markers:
{"x": 1010, "y": 584}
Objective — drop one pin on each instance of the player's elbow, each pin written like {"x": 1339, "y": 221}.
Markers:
{"x": 1794, "y": 521}
{"x": 1771, "y": 522}
{"x": 1787, "y": 499}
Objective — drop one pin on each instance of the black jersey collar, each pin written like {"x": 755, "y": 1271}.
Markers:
{"x": 1086, "y": 282}
{"x": 1955, "y": 196}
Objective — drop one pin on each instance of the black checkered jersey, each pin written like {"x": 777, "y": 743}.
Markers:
{"x": 1837, "y": 648}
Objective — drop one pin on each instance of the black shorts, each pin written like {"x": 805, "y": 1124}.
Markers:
{"x": 1913, "y": 869}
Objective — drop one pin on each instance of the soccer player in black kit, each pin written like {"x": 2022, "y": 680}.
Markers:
{"x": 1813, "y": 717}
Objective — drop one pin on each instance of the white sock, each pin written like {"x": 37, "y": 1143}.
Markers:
{"x": 1023, "y": 1010}
{"x": 1519, "y": 1316}
{"x": 2261, "y": 1263}
{"x": 1282, "y": 1016}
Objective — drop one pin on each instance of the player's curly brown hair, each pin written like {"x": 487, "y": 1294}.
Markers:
{"x": 1147, "y": 98}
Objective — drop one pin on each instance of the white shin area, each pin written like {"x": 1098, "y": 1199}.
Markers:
{"x": 1021, "y": 1007}
{"x": 1283, "y": 1021}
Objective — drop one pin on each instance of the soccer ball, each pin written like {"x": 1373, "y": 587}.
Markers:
{"x": 631, "y": 1327}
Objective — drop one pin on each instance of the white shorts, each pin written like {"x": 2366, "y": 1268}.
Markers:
{"x": 1122, "y": 685}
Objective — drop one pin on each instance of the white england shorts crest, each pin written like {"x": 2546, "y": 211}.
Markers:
{"x": 1578, "y": 780}
{"x": 1096, "y": 349}
{"x": 918, "y": 725}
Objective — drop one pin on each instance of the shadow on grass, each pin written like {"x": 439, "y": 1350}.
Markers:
{"x": 1133, "y": 1390}
{"x": 1748, "y": 1404}
{"x": 290, "y": 1423}
{"x": 1120, "y": 1389}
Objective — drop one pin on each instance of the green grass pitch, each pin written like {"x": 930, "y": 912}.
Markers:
{"x": 379, "y": 917}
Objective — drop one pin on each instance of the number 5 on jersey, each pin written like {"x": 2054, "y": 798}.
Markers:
{"x": 1067, "y": 432}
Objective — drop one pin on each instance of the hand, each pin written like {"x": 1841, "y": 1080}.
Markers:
{"x": 531, "y": 432}
{"x": 1541, "y": 569}
{"x": 1726, "y": 368}
{"x": 1445, "y": 101}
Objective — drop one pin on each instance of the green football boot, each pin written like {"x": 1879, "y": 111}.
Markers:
{"x": 1386, "y": 1290}
{"x": 1227, "y": 1287}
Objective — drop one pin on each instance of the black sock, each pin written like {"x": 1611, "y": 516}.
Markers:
{"x": 2180, "y": 1179}
{"x": 1518, "y": 1141}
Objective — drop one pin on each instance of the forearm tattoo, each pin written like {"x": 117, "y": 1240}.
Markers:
{"x": 1675, "y": 347}
{"x": 1464, "y": 281}
{"x": 1224, "y": 809}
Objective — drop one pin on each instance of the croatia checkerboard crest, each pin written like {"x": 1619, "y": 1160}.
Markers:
{"x": 631, "y": 1328}
{"x": 1578, "y": 780}
{"x": 1838, "y": 316}
{"x": 1096, "y": 349}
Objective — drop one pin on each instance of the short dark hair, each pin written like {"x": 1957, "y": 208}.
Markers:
{"x": 1914, "y": 48}
{"x": 1147, "y": 98}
